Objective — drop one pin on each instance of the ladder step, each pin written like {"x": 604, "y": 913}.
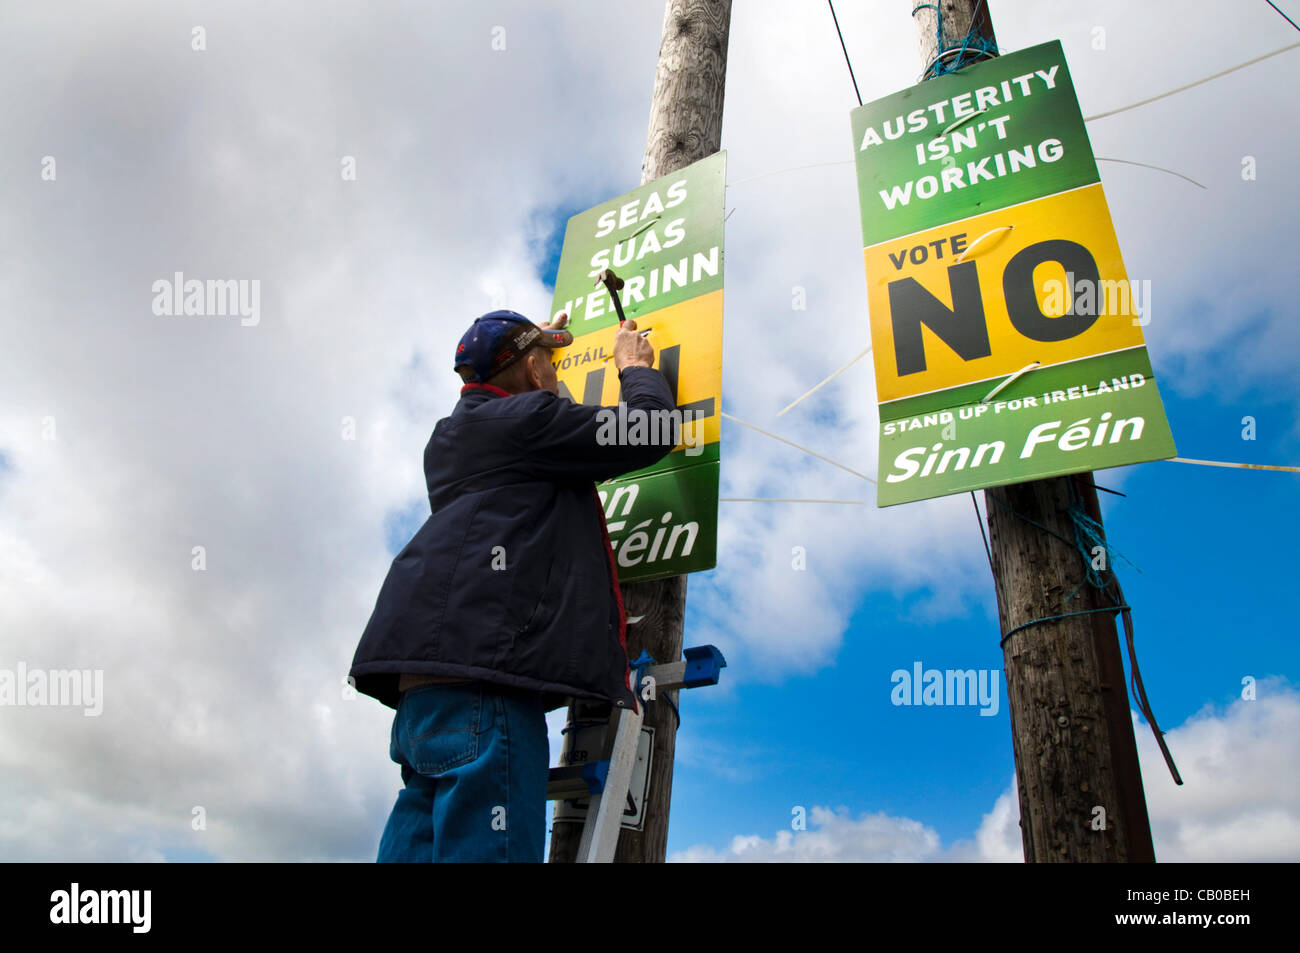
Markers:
{"x": 576, "y": 780}
{"x": 600, "y": 831}
{"x": 702, "y": 665}
{"x": 607, "y": 783}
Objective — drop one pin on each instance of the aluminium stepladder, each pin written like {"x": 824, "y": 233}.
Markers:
{"x": 607, "y": 780}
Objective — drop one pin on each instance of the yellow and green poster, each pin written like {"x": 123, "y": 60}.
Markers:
{"x": 1006, "y": 334}
{"x": 664, "y": 240}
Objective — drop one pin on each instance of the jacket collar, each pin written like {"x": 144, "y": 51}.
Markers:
{"x": 490, "y": 388}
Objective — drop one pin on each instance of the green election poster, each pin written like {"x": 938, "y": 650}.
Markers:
{"x": 1007, "y": 336}
{"x": 664, "y": 240}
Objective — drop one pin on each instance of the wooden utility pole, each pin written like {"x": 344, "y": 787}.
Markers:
{"x": 1071, "y": 730}
{"x": 685, "y": 127}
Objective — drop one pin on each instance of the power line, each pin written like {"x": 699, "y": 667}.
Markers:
{"x": 819, "y": 165}
{"x": 1096, "y": 115}
{"x": 980, "y": 519}
{"x": 1146, "y": 166}
{"x": 846, "y": 51}
{"x": 814, "y": 165}
{"x": 1284, "y": 16}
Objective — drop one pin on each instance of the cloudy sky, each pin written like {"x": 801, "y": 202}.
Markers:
{"x": 203, "y": 507}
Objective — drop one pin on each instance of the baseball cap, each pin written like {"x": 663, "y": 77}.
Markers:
{"x": 498, "y": 339}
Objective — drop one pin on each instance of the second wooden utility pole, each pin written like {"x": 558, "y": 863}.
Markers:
{"x": 1071, "y": 730}
{"x": 685, "y": 127}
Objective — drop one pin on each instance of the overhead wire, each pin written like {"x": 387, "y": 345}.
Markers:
{"x": 1280, "y": 13}
{"x": 846, "y": 51}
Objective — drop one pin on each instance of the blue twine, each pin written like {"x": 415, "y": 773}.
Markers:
{"x": 1053, "y": 618}
{"x": 1088, "y": 537}
{"x": 938, "y": 19}
{"x": 972, "y": 49}
{"x": 973, "y": 46}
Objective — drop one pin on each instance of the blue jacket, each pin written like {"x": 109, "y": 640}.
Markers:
{"x": 511, "y": 580}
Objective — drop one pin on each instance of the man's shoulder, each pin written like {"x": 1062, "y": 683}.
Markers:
{"x": 497, "y": 425}
{"x": 472, "y": 409}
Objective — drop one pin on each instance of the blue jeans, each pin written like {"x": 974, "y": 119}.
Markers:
{"x": 475, "y": 762}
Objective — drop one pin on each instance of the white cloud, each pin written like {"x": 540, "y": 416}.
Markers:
{"x": 832, "y": 836}
{"x": 1240, "y": 797}
{"x": 1240, "y": 802}
{"x": 835, "y": 836}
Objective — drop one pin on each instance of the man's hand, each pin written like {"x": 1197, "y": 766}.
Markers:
{"x": 631, "y": 349}
{"x": 561, "y": 320}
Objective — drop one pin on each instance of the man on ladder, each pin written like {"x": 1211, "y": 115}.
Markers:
{"x": 506, "y": 601}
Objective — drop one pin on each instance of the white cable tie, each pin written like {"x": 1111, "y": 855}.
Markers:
{"x": 1231, "y": 69}
{"x": 1006, "y": 383}
{"x": 1239, "y": 466}
{"x": 971, "y": 247}
{"x": 827, "y": 380}
{"x": 958, "y": 122}
{"x": 811, "y": 453}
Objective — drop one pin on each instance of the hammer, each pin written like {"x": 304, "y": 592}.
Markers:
{"x": 613, "y": 283}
